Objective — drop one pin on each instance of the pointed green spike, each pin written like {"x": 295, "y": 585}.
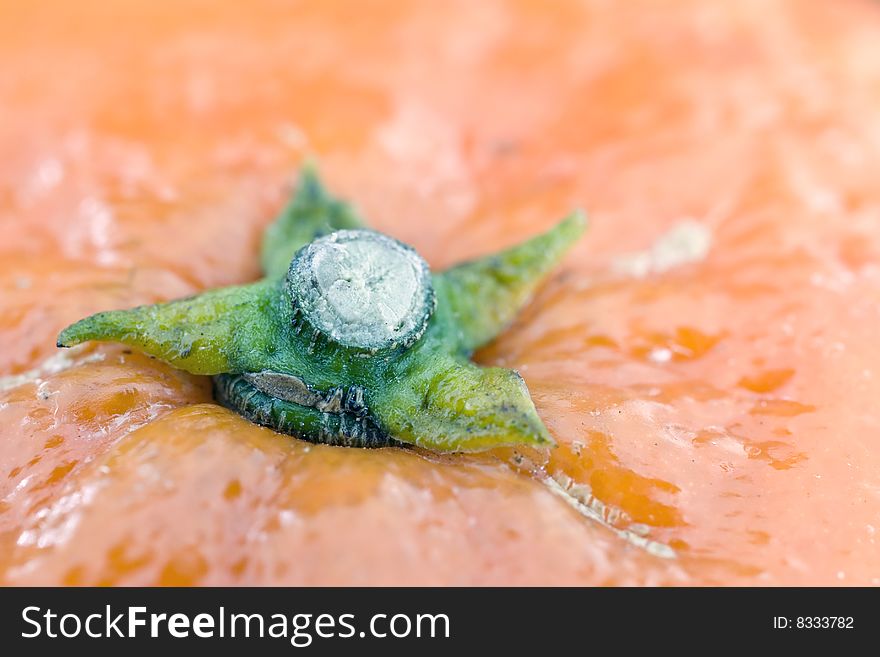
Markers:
{"x": 225, "y": 330}
{"x": 449, "y": 404}
{"x": 483, "y": 296}
{"x": 311, "y": 213}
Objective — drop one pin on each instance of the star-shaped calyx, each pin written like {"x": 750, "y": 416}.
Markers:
{"x": 350, "y": 339}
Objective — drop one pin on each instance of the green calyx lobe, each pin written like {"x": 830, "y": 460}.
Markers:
{"x": 350, "y": 339}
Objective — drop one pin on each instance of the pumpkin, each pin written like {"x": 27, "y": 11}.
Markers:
{"x": 706, "y": 359}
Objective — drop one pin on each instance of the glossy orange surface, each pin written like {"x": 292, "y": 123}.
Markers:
{"x": 707, "y": 358}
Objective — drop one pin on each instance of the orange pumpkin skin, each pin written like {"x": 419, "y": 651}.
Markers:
{"x": 706, "y": 358}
